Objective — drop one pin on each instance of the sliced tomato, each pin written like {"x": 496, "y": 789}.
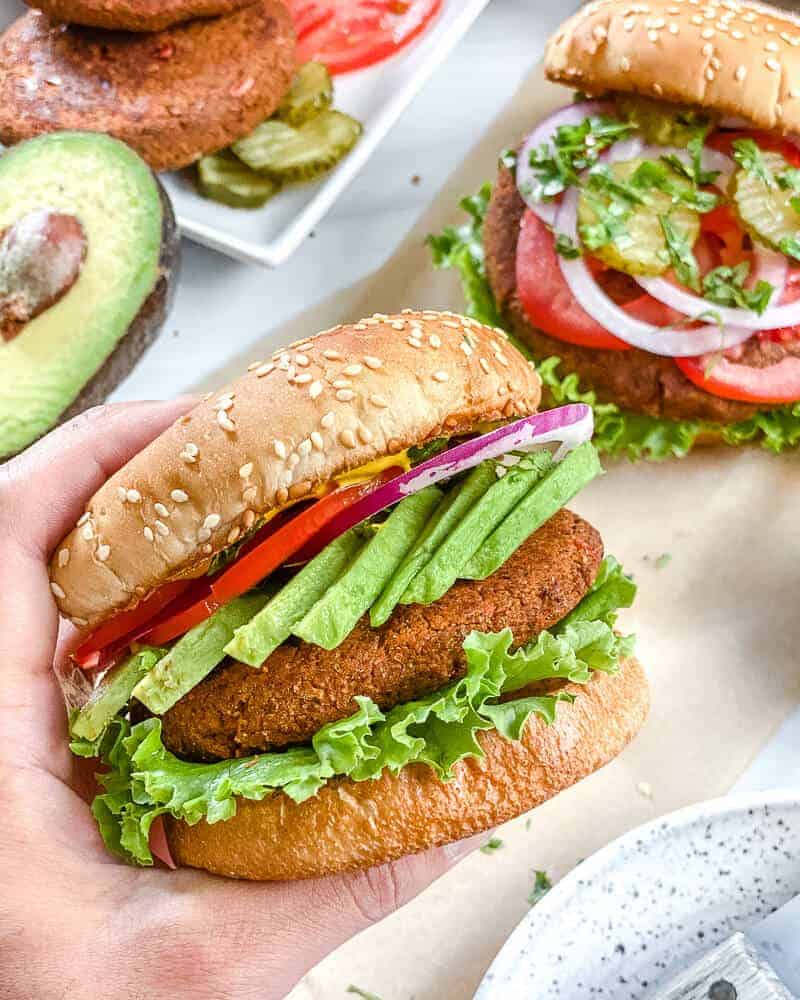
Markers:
{"x": 779, "y": 383}
{"x": 191, "y": 609}
{"x": 723, "y": 141}
{"x": 352, "y": 34}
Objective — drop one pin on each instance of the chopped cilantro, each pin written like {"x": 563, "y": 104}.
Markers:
{"x": 693, "y": 171}
{"x": 681, "y": 255}
{"x": 789, "y": 179}
{"x": 567, "y": 247}
{"x": 508, "y": 158}
{"x": 364, "y": 994}
{"x": 652, "y": 174}
{"x": 750, "y": 158}
{"x": 725, "y": 286}
{"x": 574, "y": 148}
{"x": 790, "y": 246}
{"x": 419, "y": 453}
{"x": 541, "y": 886}
{"x": 663, "y": 560}
{"x": 492, "y": 845}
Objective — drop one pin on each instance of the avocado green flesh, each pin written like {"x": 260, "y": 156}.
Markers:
{"x": 112, "y": 694}
{"x": 115, "y": 197}
{"x": 261, "y": 636}
{"x": 334, "y": 616}
{"x": 196, "y": 654}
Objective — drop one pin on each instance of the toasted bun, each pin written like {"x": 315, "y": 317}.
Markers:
{"x": 732, "y": 56}
{"x": 322, "y": 407}
{"x": 350, "y": 825}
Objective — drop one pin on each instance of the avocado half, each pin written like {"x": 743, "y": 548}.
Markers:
{"x": 76, "y": 346}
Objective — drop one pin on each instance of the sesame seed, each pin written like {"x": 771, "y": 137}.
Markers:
{"x": 769, "y": 27}
{"x": 435, "y": 341}
{"x": 365, "y": 434}
{"x": 63, "y": 557}
{"x": 484, "y": 364}
{"x": 327, "y": 420}
{"x": 377, "y": 400}
{"x": 707, "y": 33}
{"x": 345, "y": 395}
{"x": 625, "y": 64}
{"x": 360, "y": 326}
{"x": 354, "y": 369}
{"x": 710, "y": 75}
{"x": 317, "y": 440}
{"x": 315, "y": 389}
{"x": 600, "y": 32}
{"x": 293, "y": 460}
{"x": 771, "y": 46}
{"x": 301, "y": 360}
{"x": 225, "y": 421}
{"x": 741, "y": 73}
{"x": 253, "y": 365}
{"x": 84, "y": 518}
{"x": 280, "y": 449}
{"x": 246, "y": 470}
{"x": 191, "y": 449}
{"x": 652, "y": 35}
{"x": 503, "y": 360}
{"x": 87, "y": 531}
{"x": 304, "y": 448}
{"x": 341, "y": 383}
{"x": 207, "y": 549}
{"x": 249, "y": 495}
{"x": 281, "y": 495}
{"x": 441, "y": 377}
{"x": 673, "y": 28}
{"x": 347, "y": 438}
{"x": 103, "y": 552}
{"x": 629, "y": 23}
{"x": 303, "y": 378}
{"x": 738, "y": 35}
{"x": 658, "y": 89}
{"x": 398, "y": 324}
{"x": 161, "y": 528}
{"x": 715, "y": 63}
{"x": 451, "y": 324}
{"x": 414, "y": 342}
{"x": 203, "y": 535}
{"x": 122, "y": 493}
{"x": 465, "y": 347}
{"x": 263, "y": 370}
{"x": 332, "y": 355}
{"x": 223, "y": 403}
{"x": 773, "y": 64}
{"x": 161, "y": 510}
{"x": 179, "y": 496}
{"x": 707, "y": 49}
{"x": 57, "y": 591}
{"x": 148, "y": 533}
{"x": 248, "y": 519}
{"x": 373, "y": 363}
{"x": 233, "y": 534}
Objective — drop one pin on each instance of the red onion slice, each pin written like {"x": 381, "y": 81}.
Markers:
{"x": 665, "y": 341}
{"x": 569, "y": 425}
{"x": 542, "y": 135}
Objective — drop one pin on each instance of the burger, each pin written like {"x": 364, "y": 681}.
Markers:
{"x": 337, "y": 614}
{"x": 643, "y": 241}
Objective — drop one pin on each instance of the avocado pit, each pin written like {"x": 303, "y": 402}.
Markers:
{"x": 41, "y": 256}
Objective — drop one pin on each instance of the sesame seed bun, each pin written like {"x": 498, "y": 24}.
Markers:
{"x": 323, "y": 406}
{"x": 350, "y": 825}
{"x": 173, "y": 95}
{"x": 735, "y": 57}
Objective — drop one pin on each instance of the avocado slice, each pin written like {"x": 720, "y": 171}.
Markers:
{"x": 336, "y": 613}
{"x": 68, "y": 346}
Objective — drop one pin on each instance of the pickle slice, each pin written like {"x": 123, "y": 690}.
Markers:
{"x": 663, "y": 123}
{"x": 640, "y": 248}
{"x": 311, "y": 92}
{"x": 765, "y": 211}
{"x": 299, "y": 154}
{"x": 225, "y": 178}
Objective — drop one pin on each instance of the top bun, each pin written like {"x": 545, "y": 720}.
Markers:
{"x": 325, "y": 405}
{"x": 735, "y": 57}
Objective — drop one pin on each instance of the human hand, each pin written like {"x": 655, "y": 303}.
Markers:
{"x": 73, "y": 921}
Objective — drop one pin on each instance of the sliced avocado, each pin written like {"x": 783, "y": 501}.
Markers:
{"x": 546, "y": 497}
{"x": 261, "y": 636}
{"x": 68, "y": 335}
{"x": 112, "y": 694}
{"x": 511, "y": 485}
{"x": 446, "y": 517}
{"x": 335, "y": 614}
{"x": 196, "y": 654}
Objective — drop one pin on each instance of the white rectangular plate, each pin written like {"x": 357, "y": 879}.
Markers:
{"x": 376, "y": 96}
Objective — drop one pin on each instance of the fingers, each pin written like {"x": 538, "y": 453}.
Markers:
{"x": 282, "y": 930}
{"x": 43, "y": 491}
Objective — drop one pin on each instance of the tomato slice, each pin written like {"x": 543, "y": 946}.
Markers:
{"x": 352, "y": 34}
{"x": 778, "y": 383}
{"x": 723, "y": 141}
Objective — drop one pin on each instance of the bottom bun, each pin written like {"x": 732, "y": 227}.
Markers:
{"x": 351, "y": 825}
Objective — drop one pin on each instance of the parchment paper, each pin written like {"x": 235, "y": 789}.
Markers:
{"x": 717, "y": 620}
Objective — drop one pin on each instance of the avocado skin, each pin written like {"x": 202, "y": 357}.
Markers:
{"x": 145, "y": 327}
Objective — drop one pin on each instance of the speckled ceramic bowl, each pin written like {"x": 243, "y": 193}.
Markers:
{"x": 638, "y": 911}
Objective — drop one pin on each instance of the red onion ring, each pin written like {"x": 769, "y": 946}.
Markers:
{"x": 542, "y": 135}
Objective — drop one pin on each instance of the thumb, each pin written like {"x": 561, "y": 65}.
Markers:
{"x": 286, "y": 928}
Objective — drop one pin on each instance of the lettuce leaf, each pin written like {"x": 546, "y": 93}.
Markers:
{"x": 145, "y": 780}
{"x": 617, "y": 432}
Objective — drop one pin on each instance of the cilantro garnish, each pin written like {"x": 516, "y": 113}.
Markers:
{"x": 750, "y": 158}
{"x": 574, "y": 148}
{"x": 693, "y": 171}
{"x": 790, "y": 246}
{"x": 725, "y": 286}
{"x": 492, "y": 845}
{"x": 364, "y": 994}
{"x": 681, "y": 255}
{"x": 566, "y": 247}
{"x": 541, "y": 886}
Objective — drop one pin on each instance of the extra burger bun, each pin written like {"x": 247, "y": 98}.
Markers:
{"x": 320, "y": 408}
{"x": 351, "y": 825}
{"x": 731, "y": 56}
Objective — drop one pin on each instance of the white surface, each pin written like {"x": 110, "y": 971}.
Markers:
{"x": 377, "y": 97}
{"x": 634, "y": 915}
{"x": 222, "y": 306}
